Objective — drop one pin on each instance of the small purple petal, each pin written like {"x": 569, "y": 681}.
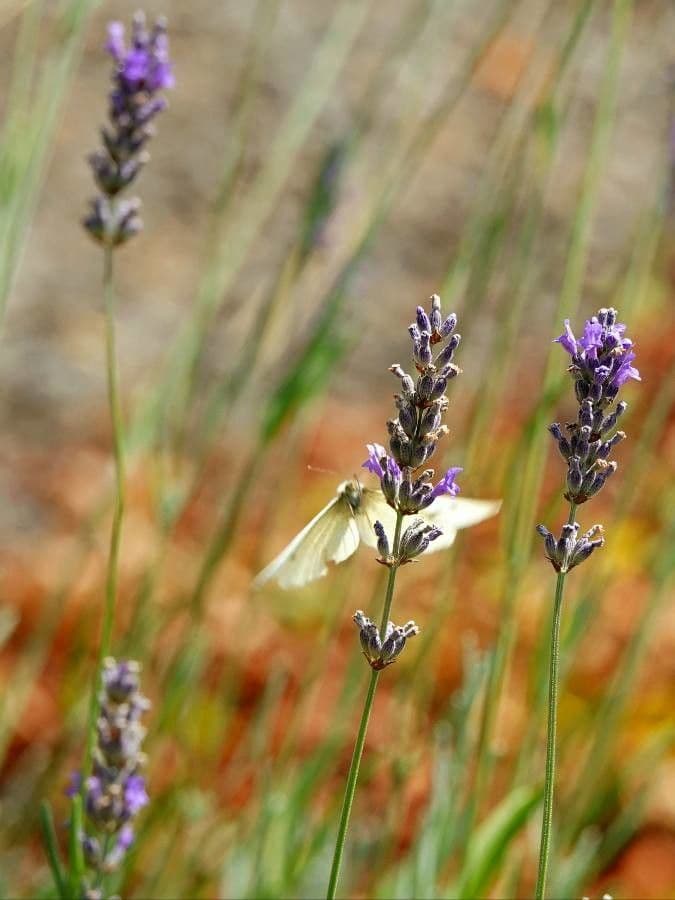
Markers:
{"x": 74, "y": 785}
{"x": 567, "y": 339}
{"x": 592, "y": 338}
{"x": 115, "y": 43}
{"x": 625, "y": 371}
{"x": 447, "y": 483}
{"x": 135, "y": 795}
{"x": 376, "y": 453}
{"x": 125, "y": 838}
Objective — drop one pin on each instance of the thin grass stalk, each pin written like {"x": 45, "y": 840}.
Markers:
{"x": 355, "y": 764}
{"x": 112, "y": 571}
{"x": 26, "y": 143}
{"x": 52, "y": 849}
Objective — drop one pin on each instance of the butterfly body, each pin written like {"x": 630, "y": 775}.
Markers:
{"x": 336, "y": 531}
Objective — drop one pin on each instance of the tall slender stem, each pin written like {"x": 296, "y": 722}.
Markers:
{"x": 549, "y": 781}
{"x": 118, "y": 512}
{"x": 355, "y": 764}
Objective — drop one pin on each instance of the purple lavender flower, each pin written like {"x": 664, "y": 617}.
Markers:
{"x": 115, "y": 792}
{"x": 141, "y": 70}
{"x": 447, "y": 483}
{"x": 415, "y": 432}
{"x": 601, "y": 364}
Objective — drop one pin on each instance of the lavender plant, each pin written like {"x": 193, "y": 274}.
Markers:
{"x": 407, "y": 484}
{"x": 601, "y": 363}
{"x": 110, "y": 791}
{"x": 141, "y": 70}
{"x": 115, "y": 791}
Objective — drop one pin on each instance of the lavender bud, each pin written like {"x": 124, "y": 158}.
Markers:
{"x": 431, "y": 420}
{"x": 438, "y": 389}
{"x": 610, "y": 422}
{"x": 425, "y": 387}
{"x": 586, "y": 413}
{"x": 416, "y": 539}
{"x": 407, "y": 384}
{"x": 408, "y": 419}
{"x": 423, "y": 322}
{"x": 368, "y": 635}
{"x": 563, "y": 444}
{"x": 395, "y": 641}
{"x": 580, "y": 442}
{"x": 549, "y": 543}
{"x": 574, "y": 476}
{"x": 435, "y": 313}
{"x": 448, "y": 325}
{"x": 425, "y": 357}
{"x": 382, "y": 540}
{"x": 446, "y": 354}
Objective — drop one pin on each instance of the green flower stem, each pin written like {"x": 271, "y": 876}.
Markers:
{"x": 549, "y": 782}
{"x": 118, "y": 512}
{"x": 355, "y": 764}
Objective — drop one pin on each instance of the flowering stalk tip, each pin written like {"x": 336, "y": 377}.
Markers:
{"x": 115, "y": 792}
{"x": 415, "y": 431}
{"x": 601, "y": 363}
{"x": 141, "y": 70}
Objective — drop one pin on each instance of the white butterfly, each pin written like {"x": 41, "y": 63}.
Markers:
{"x": 334, "y": 534}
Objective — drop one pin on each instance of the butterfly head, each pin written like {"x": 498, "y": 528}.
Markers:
{"x": 352, "y": 492}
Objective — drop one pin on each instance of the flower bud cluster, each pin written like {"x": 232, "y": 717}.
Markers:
{"x": 570, "y": 550}
{"x": 115, "y": 791}
{"x": 381, "y": 650}
{"x": 420, "y": 404}
{"x": 141, "y": 71}
{"x": 601, "y": 362}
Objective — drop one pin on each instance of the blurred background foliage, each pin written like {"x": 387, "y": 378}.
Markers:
{"x": 322, "y": 169}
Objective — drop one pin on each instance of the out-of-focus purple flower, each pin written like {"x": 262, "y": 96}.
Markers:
{"x": 115, "y": 792}
{"x": 447, "y": 483}
{"x": 145, "y": 64}
{"x": 135, "y": 795}
{"x": 125, "y": 838}
{"x": 141, "y": 70}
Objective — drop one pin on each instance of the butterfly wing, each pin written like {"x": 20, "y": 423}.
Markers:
{"x": 331, "y": 536}
{"x": 374, "y": 508}
{"x": 451, "y": 514}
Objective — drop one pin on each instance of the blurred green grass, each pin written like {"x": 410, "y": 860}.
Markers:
{"x": 256, "y": 696}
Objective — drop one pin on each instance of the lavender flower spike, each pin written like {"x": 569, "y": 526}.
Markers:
{"x": 418, "y": 426}
{"x": 601, "y": 364}
{"x": 141, "y": 70}
{"x": 115, "y": 792}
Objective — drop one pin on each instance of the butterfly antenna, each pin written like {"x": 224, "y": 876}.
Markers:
{"x": 312, "y": 468}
